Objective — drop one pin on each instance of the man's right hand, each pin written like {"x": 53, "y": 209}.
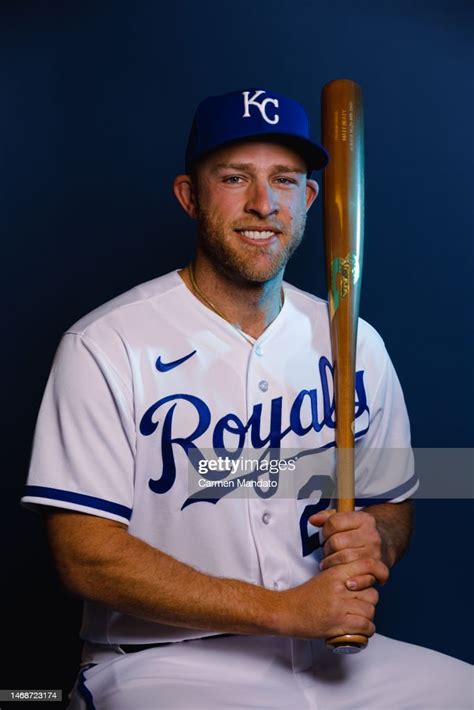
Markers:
{"x": 323, "y": 607}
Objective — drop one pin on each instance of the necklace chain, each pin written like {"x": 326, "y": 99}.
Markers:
{"x": 199, "y": 293}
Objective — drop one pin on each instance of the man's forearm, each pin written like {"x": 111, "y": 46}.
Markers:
{"x": 394, "y": 522}
{"x": 102, "y": 562}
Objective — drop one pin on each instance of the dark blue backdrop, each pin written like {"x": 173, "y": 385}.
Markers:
{"x": 97, "y": 101}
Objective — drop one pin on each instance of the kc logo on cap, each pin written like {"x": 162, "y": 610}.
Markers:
{"x": 251, "y": 114}
{"x": 261, "y": 106}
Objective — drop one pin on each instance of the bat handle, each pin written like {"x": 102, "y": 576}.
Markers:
{"x": 348, "y": 643}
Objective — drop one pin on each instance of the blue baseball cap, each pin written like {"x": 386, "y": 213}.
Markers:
{"x": 252, "y": 114}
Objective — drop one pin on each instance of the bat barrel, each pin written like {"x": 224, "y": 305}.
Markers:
{"x": 343, "y": 136}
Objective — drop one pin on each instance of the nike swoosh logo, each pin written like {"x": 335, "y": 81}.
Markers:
{"x": 165, "y": 366}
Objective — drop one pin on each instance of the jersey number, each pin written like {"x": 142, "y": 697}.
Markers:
{"x": 325, "y": 485}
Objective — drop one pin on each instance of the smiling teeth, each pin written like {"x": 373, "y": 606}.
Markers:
{"x": 257, "y": 235}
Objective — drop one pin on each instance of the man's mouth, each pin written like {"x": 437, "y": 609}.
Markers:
{"x": 257, "y": 234}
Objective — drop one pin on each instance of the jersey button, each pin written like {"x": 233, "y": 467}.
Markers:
{"x": 258, "y": 350}
{"x": 263, "y": 384}
{"x": 266, "y": 517}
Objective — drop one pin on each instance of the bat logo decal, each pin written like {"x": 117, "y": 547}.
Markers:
{"x": 348, "y": 269}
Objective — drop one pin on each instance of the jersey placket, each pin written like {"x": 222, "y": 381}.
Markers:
{"x": 268, "y": 516}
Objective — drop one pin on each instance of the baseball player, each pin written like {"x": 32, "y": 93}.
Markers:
{"x": 184, "y": 453}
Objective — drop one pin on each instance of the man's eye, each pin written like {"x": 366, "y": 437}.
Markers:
{"x": 232, "y": 179}
{"x": 286, "y": 181}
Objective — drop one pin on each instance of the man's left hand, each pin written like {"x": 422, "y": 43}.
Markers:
{"x": 349, "y": 537}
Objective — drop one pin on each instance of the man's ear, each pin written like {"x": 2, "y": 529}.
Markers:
{"x": 312, "y": 190}
{"x": 185, "y": 192}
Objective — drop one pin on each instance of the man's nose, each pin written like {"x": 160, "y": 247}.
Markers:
{"x": 261, "y": 200}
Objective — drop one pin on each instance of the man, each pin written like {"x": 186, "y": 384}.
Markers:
{"x": 223, "y": 595}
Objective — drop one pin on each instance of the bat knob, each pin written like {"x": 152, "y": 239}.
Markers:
{"x": 347, "y": 643}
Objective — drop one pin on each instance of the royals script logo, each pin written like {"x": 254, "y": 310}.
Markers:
{"x": 265, "y": 430}
{"x": 262, "y": 106}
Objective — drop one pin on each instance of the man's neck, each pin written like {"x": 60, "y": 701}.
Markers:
{"x": 251, "y": 307}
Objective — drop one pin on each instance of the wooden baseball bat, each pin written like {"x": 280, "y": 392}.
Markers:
{"x": 343, "y": 137}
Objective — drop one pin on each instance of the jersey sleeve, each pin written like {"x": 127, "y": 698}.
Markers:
{"x": 84, "y": 442}
{"x": 385, "y": 470}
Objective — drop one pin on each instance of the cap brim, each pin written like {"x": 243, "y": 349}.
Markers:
{"x": 314, "y": 155}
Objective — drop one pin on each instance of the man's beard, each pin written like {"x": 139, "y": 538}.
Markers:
{"x": 243, "y": 264}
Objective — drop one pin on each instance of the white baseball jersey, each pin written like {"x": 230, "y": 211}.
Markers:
{"x": 153, "y": 380}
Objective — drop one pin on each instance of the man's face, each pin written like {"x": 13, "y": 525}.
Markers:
{"x": 251, "y": 204}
